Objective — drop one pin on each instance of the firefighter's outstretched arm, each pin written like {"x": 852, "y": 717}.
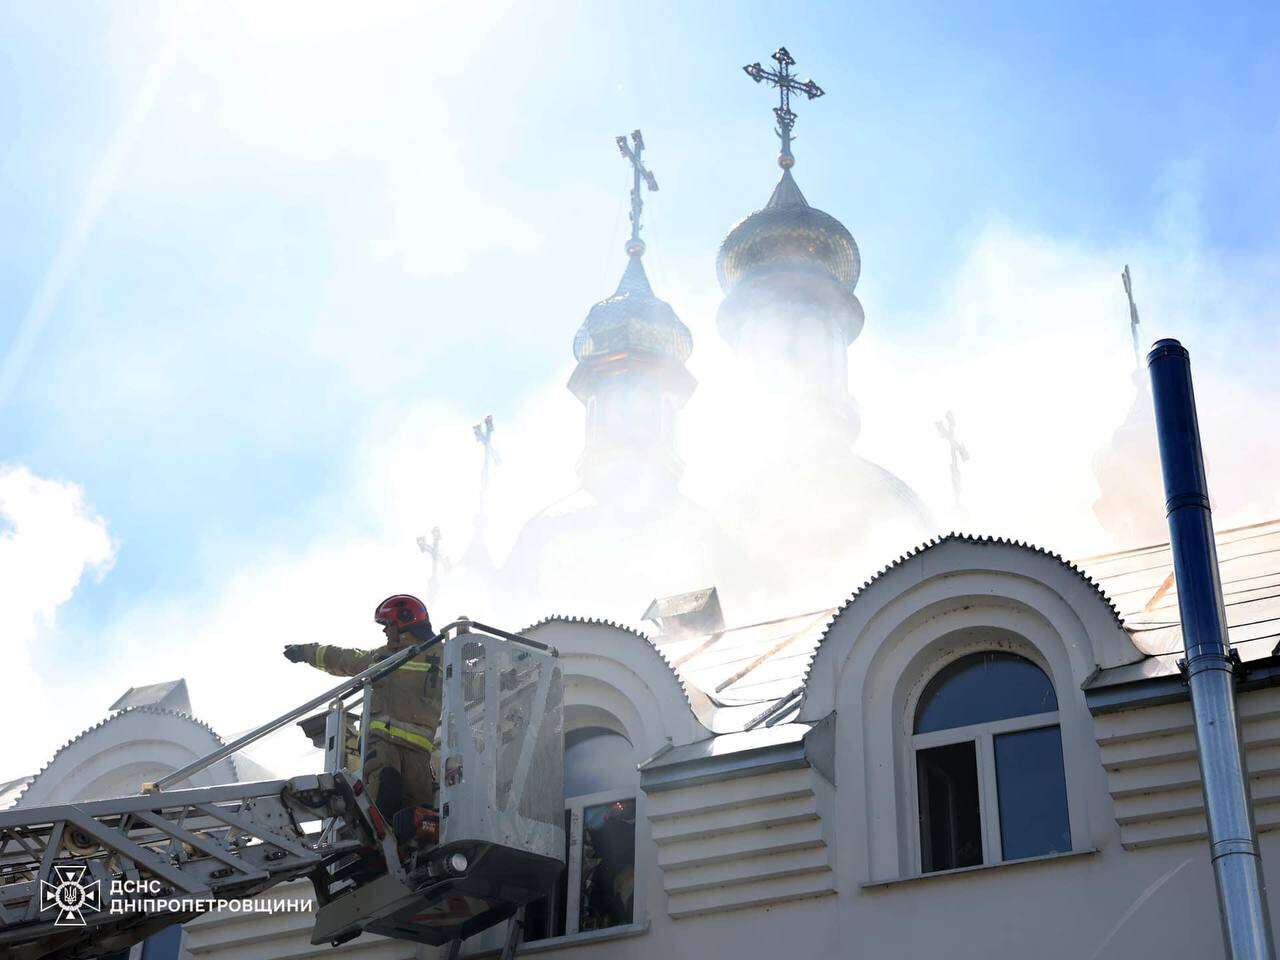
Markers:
{"x": 338, "y": 661}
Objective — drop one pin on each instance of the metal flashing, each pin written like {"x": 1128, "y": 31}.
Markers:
{"x": 820, "y": 747}
{"x": 1153, "y": 690}
{"x": 728, "y": 757}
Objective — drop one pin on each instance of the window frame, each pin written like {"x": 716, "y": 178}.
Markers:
{"x": 575, "y": 807}
{"x": 982, "y": 735}
{"x": 489, "y": 940}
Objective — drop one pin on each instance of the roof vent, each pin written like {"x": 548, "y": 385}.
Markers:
{"x": 696, "y": 612}
{"x": 171, "y": 695}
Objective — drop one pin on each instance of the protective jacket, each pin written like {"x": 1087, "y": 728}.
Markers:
{"x": 406, "y": 702}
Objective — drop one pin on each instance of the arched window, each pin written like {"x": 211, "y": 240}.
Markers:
{"x": 988, "y": 764}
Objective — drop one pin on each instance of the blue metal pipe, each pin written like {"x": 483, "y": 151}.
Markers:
{"x": 1210, "y": 670}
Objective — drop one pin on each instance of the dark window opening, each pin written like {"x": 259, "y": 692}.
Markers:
{"x": 950, "y": 816}
{"x": 607, "y": 897}
{"x": 1033, "y": 793}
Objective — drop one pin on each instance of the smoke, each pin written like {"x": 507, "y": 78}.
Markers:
{"x": 1028, "y": 344}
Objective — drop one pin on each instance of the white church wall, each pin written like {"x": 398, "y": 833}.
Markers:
{"x": 790, "y": 840}
{"x": 1153, "y": 774}
{"x": 783, "y": 860}
{"x": 749, "y": 841}
{"x": 1104, "y": 898}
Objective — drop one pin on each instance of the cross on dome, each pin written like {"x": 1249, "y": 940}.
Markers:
{"x": 634, "y": 152}
{"x": 787, "y": 83}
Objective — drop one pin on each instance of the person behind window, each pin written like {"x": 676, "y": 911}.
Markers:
{"x": 609, "y": 887}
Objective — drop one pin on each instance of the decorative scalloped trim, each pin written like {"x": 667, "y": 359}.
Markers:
{"x": 937, "y": 542}
{"x": 164, "y": 711}
{"x": 595, "y": 622}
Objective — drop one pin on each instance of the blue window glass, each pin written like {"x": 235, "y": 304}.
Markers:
{"x": 1033, "y": 793}
{"x": 983, "y": 687}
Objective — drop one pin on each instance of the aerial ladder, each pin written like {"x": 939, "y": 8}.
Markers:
{"x": 86, "y": 879}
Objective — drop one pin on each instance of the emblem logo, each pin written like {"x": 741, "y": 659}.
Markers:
{"x": 71, "y": 894}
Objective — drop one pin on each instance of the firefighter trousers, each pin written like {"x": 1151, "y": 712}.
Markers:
{"x": 398, "y": 776}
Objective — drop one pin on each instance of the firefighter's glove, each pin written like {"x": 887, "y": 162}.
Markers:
{"x": 293, "y": 652}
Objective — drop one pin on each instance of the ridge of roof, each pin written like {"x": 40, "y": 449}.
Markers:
{"x": 112, "y": 719}
{"x": 953, "y": 537}
{"x": 589, "y": 621}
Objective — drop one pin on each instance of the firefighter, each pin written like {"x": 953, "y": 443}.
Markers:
{"x": 405, "y": 709}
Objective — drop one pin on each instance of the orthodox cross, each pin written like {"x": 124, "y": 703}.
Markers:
{"x": 947, "y": 430}
{"x": 787, "y": 83}
{"x": 634, "y": 152}
{"x": 484, "y": 436}
{"x": 1133, "y": 316}
{"x": 438, "y": 561}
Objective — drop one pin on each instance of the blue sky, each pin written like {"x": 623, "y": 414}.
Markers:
{"x": 267, "y": 234}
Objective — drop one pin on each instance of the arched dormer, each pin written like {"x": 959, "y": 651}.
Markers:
{"x": 957, "y": 598}
{"x": 113, "y": 758}
{"x": 959, "y": 571}
{"x": 616, "y": 678}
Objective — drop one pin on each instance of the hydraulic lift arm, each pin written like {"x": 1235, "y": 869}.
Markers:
{"x": 131, "y": 866}
{"x": 179, "y": 849}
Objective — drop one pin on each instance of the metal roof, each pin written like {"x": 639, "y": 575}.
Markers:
{"x": 761, "y": 663}
{"x": 1141, "y": 584}
{"x": 750, "y": 664}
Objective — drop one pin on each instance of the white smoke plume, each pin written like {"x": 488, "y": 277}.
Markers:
{"x": 1028, "y": 345}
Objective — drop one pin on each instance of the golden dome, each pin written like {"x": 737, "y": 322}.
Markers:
{"x": 633, "y": 319}
{"x": 788, "y": 234}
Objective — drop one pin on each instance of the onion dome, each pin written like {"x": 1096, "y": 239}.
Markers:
{"x": 792, "y": 251}
{"x": 633, "y": 320}
{"x": 631, "y": 377}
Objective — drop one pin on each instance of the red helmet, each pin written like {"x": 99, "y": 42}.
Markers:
{"x": 402, "y": 610}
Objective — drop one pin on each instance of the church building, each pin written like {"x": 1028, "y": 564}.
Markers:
{"x": 985, "y": 750}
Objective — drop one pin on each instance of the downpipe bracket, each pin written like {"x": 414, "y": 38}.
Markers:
{"x": 1231, "y": 662}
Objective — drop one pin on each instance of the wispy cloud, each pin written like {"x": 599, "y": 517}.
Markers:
{"x": 50, "y": 540}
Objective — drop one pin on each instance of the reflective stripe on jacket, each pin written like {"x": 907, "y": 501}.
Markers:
{"x": 406, "y": 702}
{"x": 399, "y": 731}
